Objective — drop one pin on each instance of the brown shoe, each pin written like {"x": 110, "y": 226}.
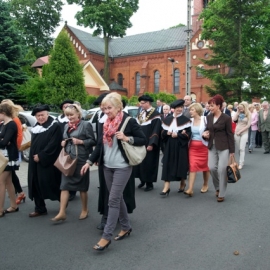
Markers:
{"x": 37, "y": 214}
{"x": 220, "y": 199}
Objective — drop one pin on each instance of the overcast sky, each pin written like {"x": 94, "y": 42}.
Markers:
{"x": 152, "y": 15}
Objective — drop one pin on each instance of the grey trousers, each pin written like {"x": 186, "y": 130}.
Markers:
{"x": 116, "y": 180}
{"x": 266, "y": 140}
{"x": 217, "y": 163}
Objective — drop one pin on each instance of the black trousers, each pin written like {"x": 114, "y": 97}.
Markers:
{"x": 16, "y": 182}
{"x": 40, "y": 205}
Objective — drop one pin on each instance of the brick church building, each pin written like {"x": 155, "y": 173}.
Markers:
{"x": 148, "y": 62}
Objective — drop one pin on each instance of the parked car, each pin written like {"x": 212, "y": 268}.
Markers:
{"x": 92, "y": 114}
{"x": 30, "y": 121}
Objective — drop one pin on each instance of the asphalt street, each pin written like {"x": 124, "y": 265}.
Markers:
{"x": 176, "y": 232}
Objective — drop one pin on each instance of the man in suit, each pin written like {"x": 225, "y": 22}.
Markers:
{"x": 225, "y": 110}
{"x": 264, "y": 126}
{"x": 159, "y": 107}
{"x": 166, "y": 112}
{"x": 188, "y": 101}
{"x": 206, "y": 109}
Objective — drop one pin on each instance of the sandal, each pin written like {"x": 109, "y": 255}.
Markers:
{"x": 11, "y": 211}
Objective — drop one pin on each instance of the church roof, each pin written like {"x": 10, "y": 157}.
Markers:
{"x": 115, "y": 86}
{"x": 157, "y": 41}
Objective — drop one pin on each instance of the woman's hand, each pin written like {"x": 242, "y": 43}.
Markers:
{"x": 206, "y": 134}
{"x": 63, "y": 143}
{"x": 85, "y": 168}
{"x": 231, "y": 155}
{"x": 121, "y": 136}
{"x": 77, "y": 141}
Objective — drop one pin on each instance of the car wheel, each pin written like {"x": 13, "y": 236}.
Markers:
{"x": 25, "y": 155}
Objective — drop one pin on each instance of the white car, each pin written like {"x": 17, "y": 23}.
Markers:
{"x": 92, "y": 114}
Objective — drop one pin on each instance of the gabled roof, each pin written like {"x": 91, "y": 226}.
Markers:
{"x": 41, "y": 62}
{"x": 158, "y": 41}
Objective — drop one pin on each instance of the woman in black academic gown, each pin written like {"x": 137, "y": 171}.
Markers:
{"x": 176, "y": 132}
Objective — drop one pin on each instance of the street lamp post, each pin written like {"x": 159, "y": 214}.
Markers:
{"x": 172, "y": 60}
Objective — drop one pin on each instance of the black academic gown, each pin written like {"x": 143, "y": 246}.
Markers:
{"x": 103, "y": 198}
{"x": 147, "y": 171}
{"x": 43, "y": 174}
{"x": 175, "y": 160}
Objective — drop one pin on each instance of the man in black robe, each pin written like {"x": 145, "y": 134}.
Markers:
{"x": 62, "y": 121}
{"x": 149, "y": 119}
{"x": 43, "y": 177}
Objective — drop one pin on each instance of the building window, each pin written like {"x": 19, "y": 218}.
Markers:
{"x": 156, "y": 81}
{"x": 120, "y": 79}
{"x": 205, "y": 3}
{"x": 137, "y": 82}
{"x": 199, "y": 73}
{"x": 101, "y": 72}
{"x": 176, "y": 86}
{"x": 200, "y": 44}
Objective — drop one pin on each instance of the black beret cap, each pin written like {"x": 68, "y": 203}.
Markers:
{"x": 145, "y": 98}
{"x": 40, "y": 108}
{"x": 67, "y": 101}
{"x": 100, "y": 98}
{"x": 177, "y": 103}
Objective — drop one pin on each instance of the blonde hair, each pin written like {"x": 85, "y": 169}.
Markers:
{"x": 115, "y": 99}
{"x": 15, "y": 108}
{"x": 73, "y": 108}
{"x": 198, "y": 108}
{"x": 230, "y": 107}
{"x": 246, "y": 111}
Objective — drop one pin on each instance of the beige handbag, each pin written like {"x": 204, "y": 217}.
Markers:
{"x": 3, "y": 162}
{"x": 135, "y": 154}
{"x": 26, "y": 142}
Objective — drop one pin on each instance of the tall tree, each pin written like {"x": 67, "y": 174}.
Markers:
{"x": 239, "y": 31}
{"x": 110, "y": 18}
{"x": 64, "y": 74}
{"x": 11, "y": 55}
{"x": 37, "y": 19}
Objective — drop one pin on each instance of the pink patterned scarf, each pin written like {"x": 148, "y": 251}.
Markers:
{"x": 110, "y": 127}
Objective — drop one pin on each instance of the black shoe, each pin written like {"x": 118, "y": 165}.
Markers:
{"x": 182, "y": 189}
{"x": 148, "y": 188}
{"x": 141, "y": 185}
{"x": 71, "y": 197}
{"x": 165, "y": 193}
{"x": 120, "y": 237}
{"x": 266, "y": 152}
{"x": 100, "y": 248}
{"x": 11, "y": 211}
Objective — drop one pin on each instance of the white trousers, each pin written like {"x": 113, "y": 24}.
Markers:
{"x": 240, "y": 143}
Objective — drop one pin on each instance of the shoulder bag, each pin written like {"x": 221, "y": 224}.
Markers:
{"x": 3, "y": 162}
{"x": 135, "y": 154}
{"x": 26, "y": 142}
{"x": 233, "y": 172}
{"x": 65, "y": 163}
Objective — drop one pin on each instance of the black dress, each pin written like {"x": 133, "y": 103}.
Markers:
{"x": 175, "y": 161}
{"x": 8, "y": 144}
{"x": 43, "y": 177}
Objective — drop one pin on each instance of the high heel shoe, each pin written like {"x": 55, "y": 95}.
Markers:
{"x": 182, "y": 189}
{"x": 58, "y": 219}
{"x": 100, "y": 248}
{"x": 189, "y": 193}
{"x": 20, "y": 198}
{"x": 11, "y": 211}
{"x": 82, "y": 217}
{"x": 120, "y": 237}
{"x": 165, "y": 193}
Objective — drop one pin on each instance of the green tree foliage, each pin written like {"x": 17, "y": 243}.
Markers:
{"x": 109, "y": 18}
{"x": 64, "y": 74}
{"x": 178, "y": 25}
{"x": 37, "y": 19}
{"x": 240, "y": 31}
{"x": 11, "y": 55}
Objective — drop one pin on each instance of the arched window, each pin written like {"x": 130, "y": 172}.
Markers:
{"x": 156, "y": 81}
{"x": 120, "y": 79}
{"x": 176, "y": 86}
{"x": 137, "y": 82}
{"x": 199, "y": 73}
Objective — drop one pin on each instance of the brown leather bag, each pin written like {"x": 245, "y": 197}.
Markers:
{"x": 65, "y": 163}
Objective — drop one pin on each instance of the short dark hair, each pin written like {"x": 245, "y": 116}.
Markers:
{"x": 217, "y": 99}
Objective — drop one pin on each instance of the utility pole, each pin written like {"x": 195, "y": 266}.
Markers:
{"x": 188, "y": 48}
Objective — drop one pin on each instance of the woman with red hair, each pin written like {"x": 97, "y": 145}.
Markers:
{"x": 220, "y": 138}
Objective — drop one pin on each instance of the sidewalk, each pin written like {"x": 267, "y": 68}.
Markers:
{"x": 23, "y": 171}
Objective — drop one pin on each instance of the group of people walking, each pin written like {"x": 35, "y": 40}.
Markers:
{"x": 192, "y": 140}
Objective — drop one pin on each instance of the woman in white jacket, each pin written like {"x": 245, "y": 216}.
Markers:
{"x": 198, "y": 151}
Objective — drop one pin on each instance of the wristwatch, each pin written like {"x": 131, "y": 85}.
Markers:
{"x": 89, "y": 162}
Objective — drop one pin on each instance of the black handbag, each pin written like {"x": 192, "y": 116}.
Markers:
{"x": 233, "y": 172}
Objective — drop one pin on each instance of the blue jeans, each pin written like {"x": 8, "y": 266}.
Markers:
{"x": 252, "y": 139}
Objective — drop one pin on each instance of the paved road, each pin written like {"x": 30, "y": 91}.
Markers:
{"x": 175, "y": 232}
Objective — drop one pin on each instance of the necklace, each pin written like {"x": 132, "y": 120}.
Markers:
{"x": 146, "y": 118}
